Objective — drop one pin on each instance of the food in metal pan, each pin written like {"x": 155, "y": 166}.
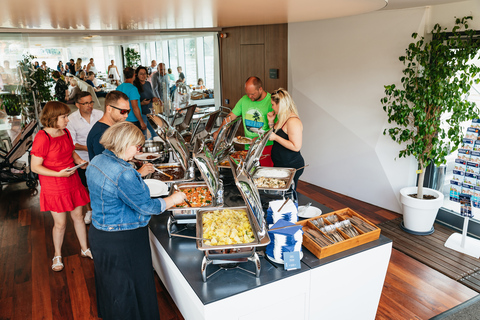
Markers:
{"x": 273, "y": 183}
{"x": 170, "y": 173}
{"x": 272, "y": 173}
{"x": 226, "y": 227}
{"x": 238, "y": 154}
{"x": 197, "y": 196}
{"x": 241, "y": 139}
{"x": 224, "y": 163}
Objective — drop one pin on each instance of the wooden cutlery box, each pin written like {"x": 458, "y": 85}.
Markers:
{"x": 350, "y": 242}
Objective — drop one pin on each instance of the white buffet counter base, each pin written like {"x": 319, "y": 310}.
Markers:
{"x": 346, "y": 287}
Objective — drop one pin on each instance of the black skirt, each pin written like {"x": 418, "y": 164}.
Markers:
{"x": 124, "y": 277}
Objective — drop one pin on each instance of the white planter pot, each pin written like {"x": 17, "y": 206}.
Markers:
{"x": 418, "y": 214}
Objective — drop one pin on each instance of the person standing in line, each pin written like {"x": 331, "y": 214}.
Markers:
{"x": 80, "y": 123}
{"x": 152, "y": 68}
{"x": 60, "y": 67}
{"x": 122, "y": 208}
{"x": 78, "y": 66}
{"x": 287, "y": 133}
{"x": 146, "y": 97}
{"x": 253, "y": 107}
{"x": 91, "y": 67}
{"x": 127, "y": 87}
{"x": 113, "y": 73}
{"x": 117, "y": 107}
{"x": 161, "y": 85}
{"x": 61, "y": 88}
{"x": 53, "y": 154}
{"x": 172, "y": 82}
{"x": 71, "y": 67}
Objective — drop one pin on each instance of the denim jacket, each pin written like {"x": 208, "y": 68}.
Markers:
{"x": 119, "y": 197}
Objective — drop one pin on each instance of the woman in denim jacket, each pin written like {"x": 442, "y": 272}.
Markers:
{"x": 122, "y": 208}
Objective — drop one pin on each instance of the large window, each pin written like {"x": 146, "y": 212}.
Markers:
{"x": 474, "y": 95}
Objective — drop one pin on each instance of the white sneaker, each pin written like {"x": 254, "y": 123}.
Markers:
{"x": 88, "y": 217}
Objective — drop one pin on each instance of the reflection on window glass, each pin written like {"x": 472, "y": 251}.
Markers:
{"x": 474, "y": 95}
{"x": 190, "y": 68}
{"x": 209, "y": 61}
{"x": 173, "y": 56}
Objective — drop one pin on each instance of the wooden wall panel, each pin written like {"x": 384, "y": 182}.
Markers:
{"x": 252, "y": 35}
{"x": 252, "y": 61}
{"x": 276, "y": 56}
{"x": 239, "y": 53}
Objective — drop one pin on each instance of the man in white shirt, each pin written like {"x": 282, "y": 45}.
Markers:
{"x": 79, "y": 125}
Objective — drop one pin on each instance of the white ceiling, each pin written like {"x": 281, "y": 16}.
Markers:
{"x": 65, "y": 23}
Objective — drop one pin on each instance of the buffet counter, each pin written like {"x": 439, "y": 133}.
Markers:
{"x": 346, "y": 285}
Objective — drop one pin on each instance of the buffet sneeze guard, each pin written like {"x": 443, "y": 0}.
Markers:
{"x": 204, "y": 162}
{"x": 241, "y": 252}
{"x": 224, "y": 140}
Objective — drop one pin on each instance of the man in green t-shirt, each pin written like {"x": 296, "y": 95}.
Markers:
{"x": 253, "y": 107}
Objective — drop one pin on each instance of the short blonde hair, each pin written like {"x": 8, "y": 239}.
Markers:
{"x": 120, "y": 136}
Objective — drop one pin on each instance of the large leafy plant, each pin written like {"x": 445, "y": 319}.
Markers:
{"x": 436, "y": 80}
{"x": 132, "y": 57}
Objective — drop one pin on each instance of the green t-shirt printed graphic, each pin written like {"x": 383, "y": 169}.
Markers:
{"x": 254, "y": 114}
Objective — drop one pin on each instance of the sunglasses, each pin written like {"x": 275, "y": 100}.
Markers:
{"x": 277, "y": 92}
{"x": 139, "y": 148}
{"x": 122, "y": 111}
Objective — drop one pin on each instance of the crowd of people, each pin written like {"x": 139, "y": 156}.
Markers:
{"x": 82, "y": 159}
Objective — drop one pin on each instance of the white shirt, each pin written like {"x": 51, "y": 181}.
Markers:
{"x": 79, "y": 129}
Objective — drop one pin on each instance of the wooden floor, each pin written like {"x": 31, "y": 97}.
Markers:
{"x": 30, "y": 290}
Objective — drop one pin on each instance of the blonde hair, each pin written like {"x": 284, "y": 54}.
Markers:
{"x": 120, "y": 136}
{"x": 286, "y": 106}
{"x": 73, "y": 82}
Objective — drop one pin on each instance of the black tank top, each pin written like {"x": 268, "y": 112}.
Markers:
{"x": 283, "y": 157}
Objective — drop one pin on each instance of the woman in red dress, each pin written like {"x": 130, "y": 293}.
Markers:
{"x": 53, "y": 153}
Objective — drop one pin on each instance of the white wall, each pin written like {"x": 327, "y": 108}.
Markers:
{"x": 337, "y": 70}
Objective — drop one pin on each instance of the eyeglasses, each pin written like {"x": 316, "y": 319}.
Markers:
{"x": 87, "y": 103}
{"x": 122, "y": 111}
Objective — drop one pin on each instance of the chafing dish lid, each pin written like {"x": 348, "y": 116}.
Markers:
{"x": 178, "y": 146}
{"x": 159, "y": 124}
{"x": 256, "y": 149}
{"x": 248, "y": 190}
{"x": 204, "y": 160}
{"x": 224, "y": 140}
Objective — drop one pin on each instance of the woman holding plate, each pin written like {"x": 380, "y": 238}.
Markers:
{"x": 122, "y": 208}
{"x": 287, "y": 133}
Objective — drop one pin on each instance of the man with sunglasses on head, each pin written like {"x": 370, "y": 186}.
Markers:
{"x": 117, "y": 109}
{"x": 80, "y": 123}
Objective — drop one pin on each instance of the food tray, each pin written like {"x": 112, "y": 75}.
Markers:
{"x": 322, "y": 252}
{"x": 220, "y": 249}
{"x": 288, "y": 172}
{"x": 170, "y": 166}
{"x": 188, "y": 212}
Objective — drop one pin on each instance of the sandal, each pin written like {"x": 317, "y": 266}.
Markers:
{"x": 57, "y": 263}
{"x": 86, "y": 254}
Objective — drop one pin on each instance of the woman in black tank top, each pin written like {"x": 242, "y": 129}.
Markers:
{"x": 287, "y": 135}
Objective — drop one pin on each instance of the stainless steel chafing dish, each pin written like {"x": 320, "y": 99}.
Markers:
{"x": 241, "y": 252}
{"x": 203, "y": 160}
{"x": 173, "y": 169}
{"x": 283, "y": 174}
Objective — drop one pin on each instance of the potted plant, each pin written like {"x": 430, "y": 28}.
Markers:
{"x": 36, "y": 82}
{"x": 132, "y": 57}
{"x": 12, "y": 104}
{"x": 436, "y": 80}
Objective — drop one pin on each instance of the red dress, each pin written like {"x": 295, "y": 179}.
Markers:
{"x": 58, "y": 194}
